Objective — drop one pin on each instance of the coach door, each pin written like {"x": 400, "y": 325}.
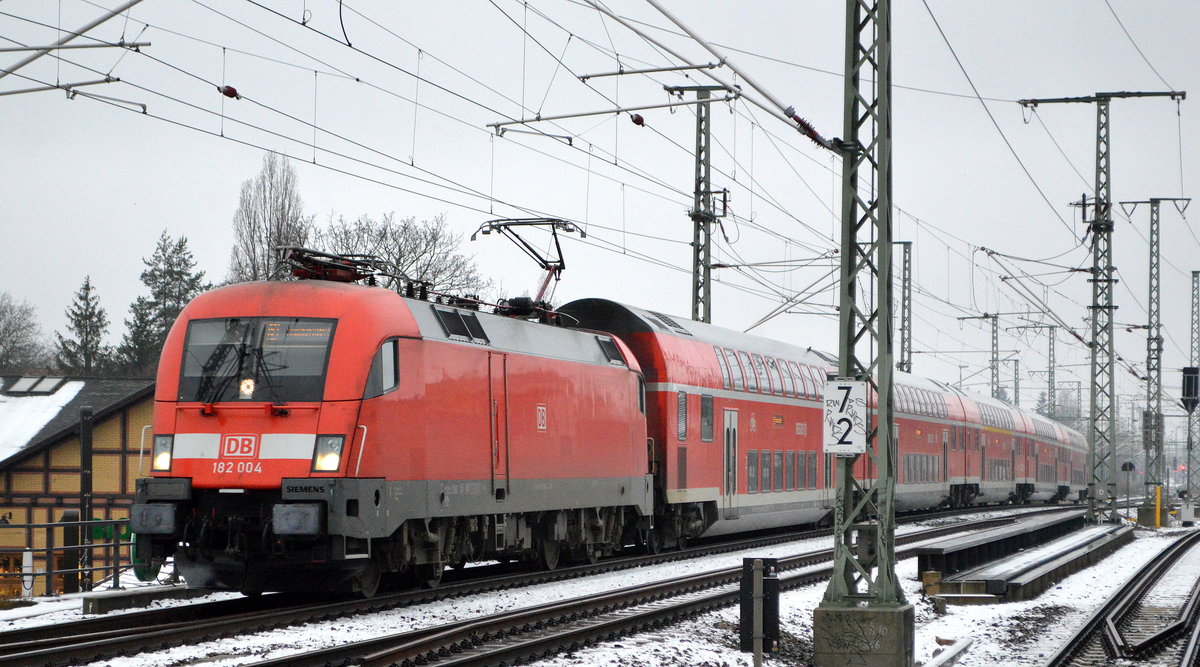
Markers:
{"x": 945, "y": 455}
{"x": 498, "y": 381}
{"x": 728, "y": 498}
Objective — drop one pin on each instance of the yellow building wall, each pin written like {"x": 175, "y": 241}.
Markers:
{"x": 65, "y": 454}
{"x": 106, "y": 473}
{"x": 27, "y": 482}
{"x": 106, "y": 435}
{"x": 140, "y": 415}
{"x": 64, "y": 483}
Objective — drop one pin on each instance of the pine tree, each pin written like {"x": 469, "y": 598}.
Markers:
{"x": 85, "y": 352}
{"x": 138, "y": 352}
{"x": 173, "y": 280}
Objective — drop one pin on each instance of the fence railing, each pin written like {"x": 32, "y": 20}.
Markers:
{"x": 86, "y": 548}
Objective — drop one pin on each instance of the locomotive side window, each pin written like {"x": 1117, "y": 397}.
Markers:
{"x": 641, "y": 394}
{"x": 606, "y": 345}
{"x": 384, "y": 375}
{"x": 751, "y": 378}
{"x": 462, "y": 325}
{"x": 276, "y": 359}
{"x": 681, "y": 415}
{"x": 706, "y": 418}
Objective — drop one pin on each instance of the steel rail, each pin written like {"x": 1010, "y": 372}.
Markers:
{"x": 418, "y": 647}
{"x": 1104, "y": 624}
{"x": 132, "y": 633}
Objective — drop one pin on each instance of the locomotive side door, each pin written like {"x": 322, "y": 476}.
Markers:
{"x": 730, "y": 486}
{"x": 498, "y": 382}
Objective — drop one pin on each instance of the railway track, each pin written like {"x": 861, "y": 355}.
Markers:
{"x": 1153, "y": 619}
{"x": 137, "y": 632}
{"x": 544, "y": 630}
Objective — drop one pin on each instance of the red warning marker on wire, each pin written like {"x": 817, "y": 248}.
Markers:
{"x": 229, "y": 91}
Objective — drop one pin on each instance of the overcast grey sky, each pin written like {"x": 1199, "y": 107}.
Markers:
{"x": 86, "y": 185}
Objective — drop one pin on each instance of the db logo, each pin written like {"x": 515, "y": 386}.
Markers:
{"x": 239, "y": 445}
{"x": 541, "y": 417}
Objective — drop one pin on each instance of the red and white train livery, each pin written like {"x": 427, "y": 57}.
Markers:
{"x": 317, "y": 434}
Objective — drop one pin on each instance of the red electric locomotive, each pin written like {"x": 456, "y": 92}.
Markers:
{"x": 317, "y": 434}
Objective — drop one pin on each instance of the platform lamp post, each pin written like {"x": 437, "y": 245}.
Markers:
{"x": 1191, "y": 395}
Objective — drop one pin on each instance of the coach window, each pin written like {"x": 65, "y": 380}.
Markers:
{"x": 789, "y": 382}
{"x": 760, "y": 370}
{"x": 724, "y": 366}
{"x": 734, "y": 369}
{"x": 818, "y": 381}
{"x": 776, "y": 378}
{"x": 778, "y": 470}
{"x": 801, "y": 383}
{"x": 384, "y": 375}
{"x": 706, "y": 418}
{"x": 748, "y": 367}
{"x": 681, "y": 415}
{"x": 764, "y": 462}
{"x": 752, "y": 471}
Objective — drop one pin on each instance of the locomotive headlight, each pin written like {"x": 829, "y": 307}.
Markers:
{"x": 246, "y": 388}
{"x": 328, "y": 454}
{"x": 160, "y": 456}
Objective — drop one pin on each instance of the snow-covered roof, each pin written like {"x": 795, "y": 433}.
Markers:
{"x": 31, "y": 414}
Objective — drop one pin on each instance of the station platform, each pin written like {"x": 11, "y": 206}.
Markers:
{"x": 1025, "y": 575}
{"x": 959, "y": 553}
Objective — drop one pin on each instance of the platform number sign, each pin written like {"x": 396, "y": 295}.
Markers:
{"x": 845, "y": 417}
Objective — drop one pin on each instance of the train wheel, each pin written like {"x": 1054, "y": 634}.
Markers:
{"x": 549, "y": 553}
{"x": 428, "y": 575}
{"x": 592, "y": 554}
{"x": 367, "y": 581}
{"x": 652, "y": 542}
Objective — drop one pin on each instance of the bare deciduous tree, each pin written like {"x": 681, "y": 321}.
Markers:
{"x": 424, "y": 251}
{"x": 21, "y": 344}
{"x": 270, "y": 214}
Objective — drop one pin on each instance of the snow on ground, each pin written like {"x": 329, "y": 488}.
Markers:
{"x": 1011, "y": 633}
{"x": 1015, "y": 633}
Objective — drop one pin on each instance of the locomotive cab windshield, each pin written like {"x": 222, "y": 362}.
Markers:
{"x": 275, "y": 359}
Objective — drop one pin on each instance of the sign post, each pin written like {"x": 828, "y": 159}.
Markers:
{"x": 1191, "y": 396}
{"x": 845, "y": 417}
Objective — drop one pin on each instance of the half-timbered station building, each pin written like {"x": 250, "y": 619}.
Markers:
{"x": 41, "y": 464}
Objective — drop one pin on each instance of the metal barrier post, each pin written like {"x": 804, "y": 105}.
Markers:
{"x": 115, "y": 555}
{"x": 27, "y": 570}
{"x": 50, "y": 561}
{"x": 85, "y": 493}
